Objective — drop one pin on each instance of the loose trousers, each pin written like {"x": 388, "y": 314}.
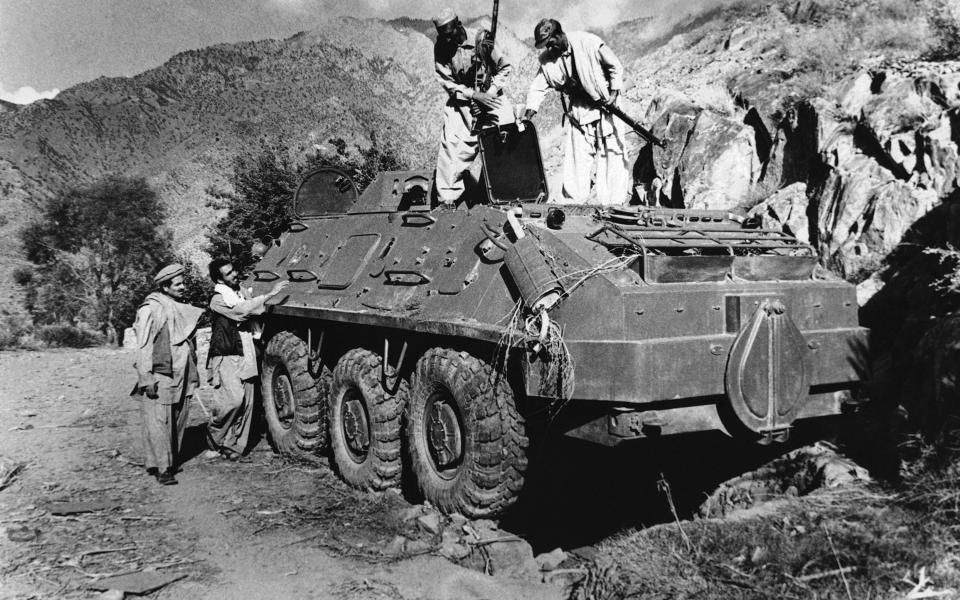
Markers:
{"x": 459, "y": 146}
{"x": 229, "y": 427}
{"x": 458, "y": 151}
{"x": 585, "y": 146}
{"x": 164, "y": 424}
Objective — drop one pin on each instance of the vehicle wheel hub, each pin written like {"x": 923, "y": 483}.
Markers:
{"x": 356, "y": 430}
{"x": 283, "y": 398}
{"x": 443, "y": 434}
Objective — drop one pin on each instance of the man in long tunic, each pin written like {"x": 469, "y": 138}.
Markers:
{"x": 457, "y": 69}
{"x": 232, "y": 359}
{"x": 588, "y": 75}
{"x": 166, "y": 367}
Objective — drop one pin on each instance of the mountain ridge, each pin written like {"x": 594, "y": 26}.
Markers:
{"x": 696, "y": 78}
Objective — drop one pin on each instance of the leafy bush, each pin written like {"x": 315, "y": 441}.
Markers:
{"x": 264, "y": 181}
{"x": 69, "y": 336}
{"x": 13, "y": 329}
{"x": 837, "y": 36}
{"x": 94, "y": 251}
{"x": 944, "y": 20}
{"x": 949, "y": 258}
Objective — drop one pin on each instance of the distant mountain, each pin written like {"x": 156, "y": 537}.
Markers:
{"x": 181, "y": 123}
{"x": 742, "y": 92}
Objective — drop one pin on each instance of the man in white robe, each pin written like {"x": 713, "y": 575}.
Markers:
{"x": 589, "y": 76}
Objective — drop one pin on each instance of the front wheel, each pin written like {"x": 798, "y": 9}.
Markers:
{"x": 466, "y": 438}
{"x": 293, "y": 399}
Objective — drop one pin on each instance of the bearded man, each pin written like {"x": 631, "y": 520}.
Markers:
{"x": 166, "y": 367}
{"x": 232, "y": 359}
{"x": 588, "y": 76}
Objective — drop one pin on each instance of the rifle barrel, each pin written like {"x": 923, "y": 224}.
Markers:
{"x": 643, "y": 131}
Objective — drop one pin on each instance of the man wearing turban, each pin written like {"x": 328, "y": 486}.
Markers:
{"x": 467, "y": 109}
{"x": 166, "y": 367}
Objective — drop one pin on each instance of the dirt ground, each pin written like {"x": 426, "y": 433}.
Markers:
{"x": 267, "y": 528}
{"x": 630, "y": 520}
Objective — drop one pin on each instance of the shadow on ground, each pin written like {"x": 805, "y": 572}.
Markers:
{"x": 578, "y": 493}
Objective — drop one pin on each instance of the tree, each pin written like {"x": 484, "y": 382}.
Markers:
{"x": 944, "y": 19}
{"x": 94, "y": 251}
{"x": 264, "y": 181}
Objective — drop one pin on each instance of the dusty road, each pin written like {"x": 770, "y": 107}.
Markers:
{"x": 266, "y": 528}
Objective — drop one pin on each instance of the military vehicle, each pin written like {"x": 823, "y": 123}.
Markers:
{"x": 420, "y": 341}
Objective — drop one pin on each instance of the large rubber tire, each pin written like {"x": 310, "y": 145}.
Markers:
{"x": 364, "y": 421}
{"x": 478, "y": 470}
{"x": 293, "y": 399}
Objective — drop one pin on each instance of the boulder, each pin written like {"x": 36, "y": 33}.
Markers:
{"x": 430, "y": 523}
{"x": 867, "y": 288}
{"x": 509, "y": 555}
{"x": 786, "y": 210}
{"x": 854, "y": 93}
{"x": 453, "y": 546}
{"x": 513, "y": 558}
{"x": 719, "y": 165}
{"x": 902, "y": 150}
{"x": 939, "y": 158}
{"x": 898, "y": 109}
{"x": 548, "y": 561}
{"x": 949, "y": 84}
{"x": 845, "y": 205}
{"x": 834, "y": 135}
{"x": 897, "y": 207}
{"x": 673, "y": 118}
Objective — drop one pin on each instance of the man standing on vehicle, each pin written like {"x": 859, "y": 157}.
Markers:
{"x": 467, "y": 109}
{"x": 232, "y": 359}
{"x": 166, "y": 367}
{"x": 588, "y": 76}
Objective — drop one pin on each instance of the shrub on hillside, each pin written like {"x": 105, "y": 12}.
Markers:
{"x": 836, "y": 37}
{"x": 264, "y": 181}
{"x": 13, "y": 329}
{"x": 94, "y": 251}
{"x": 944, "y": 18}
{"x": 69, "y": 336}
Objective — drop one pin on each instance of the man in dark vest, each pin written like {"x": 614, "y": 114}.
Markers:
{"x": 166, "y": 367}
{"x": 232, "y": 360}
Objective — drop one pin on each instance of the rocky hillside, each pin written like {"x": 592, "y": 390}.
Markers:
{"x": 821, "y": 116}
{"x": 181, "y": 123}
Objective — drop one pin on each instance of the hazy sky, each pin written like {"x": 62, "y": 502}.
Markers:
{"x": 49, "y": 45}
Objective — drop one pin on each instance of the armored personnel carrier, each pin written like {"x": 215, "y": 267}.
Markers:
{"x": 420, "y": 341}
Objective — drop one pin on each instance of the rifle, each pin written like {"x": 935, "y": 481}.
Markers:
{"x": 484, "y": 49}
{"x": 640, "y": 129}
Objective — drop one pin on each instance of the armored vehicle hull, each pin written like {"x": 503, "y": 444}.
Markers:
{"x": 442, "y": 330}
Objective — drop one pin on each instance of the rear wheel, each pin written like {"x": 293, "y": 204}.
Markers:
{"x": 293, "y": 399}
{"x": 364, "y": 423}
{"x": 466, "y": 438}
